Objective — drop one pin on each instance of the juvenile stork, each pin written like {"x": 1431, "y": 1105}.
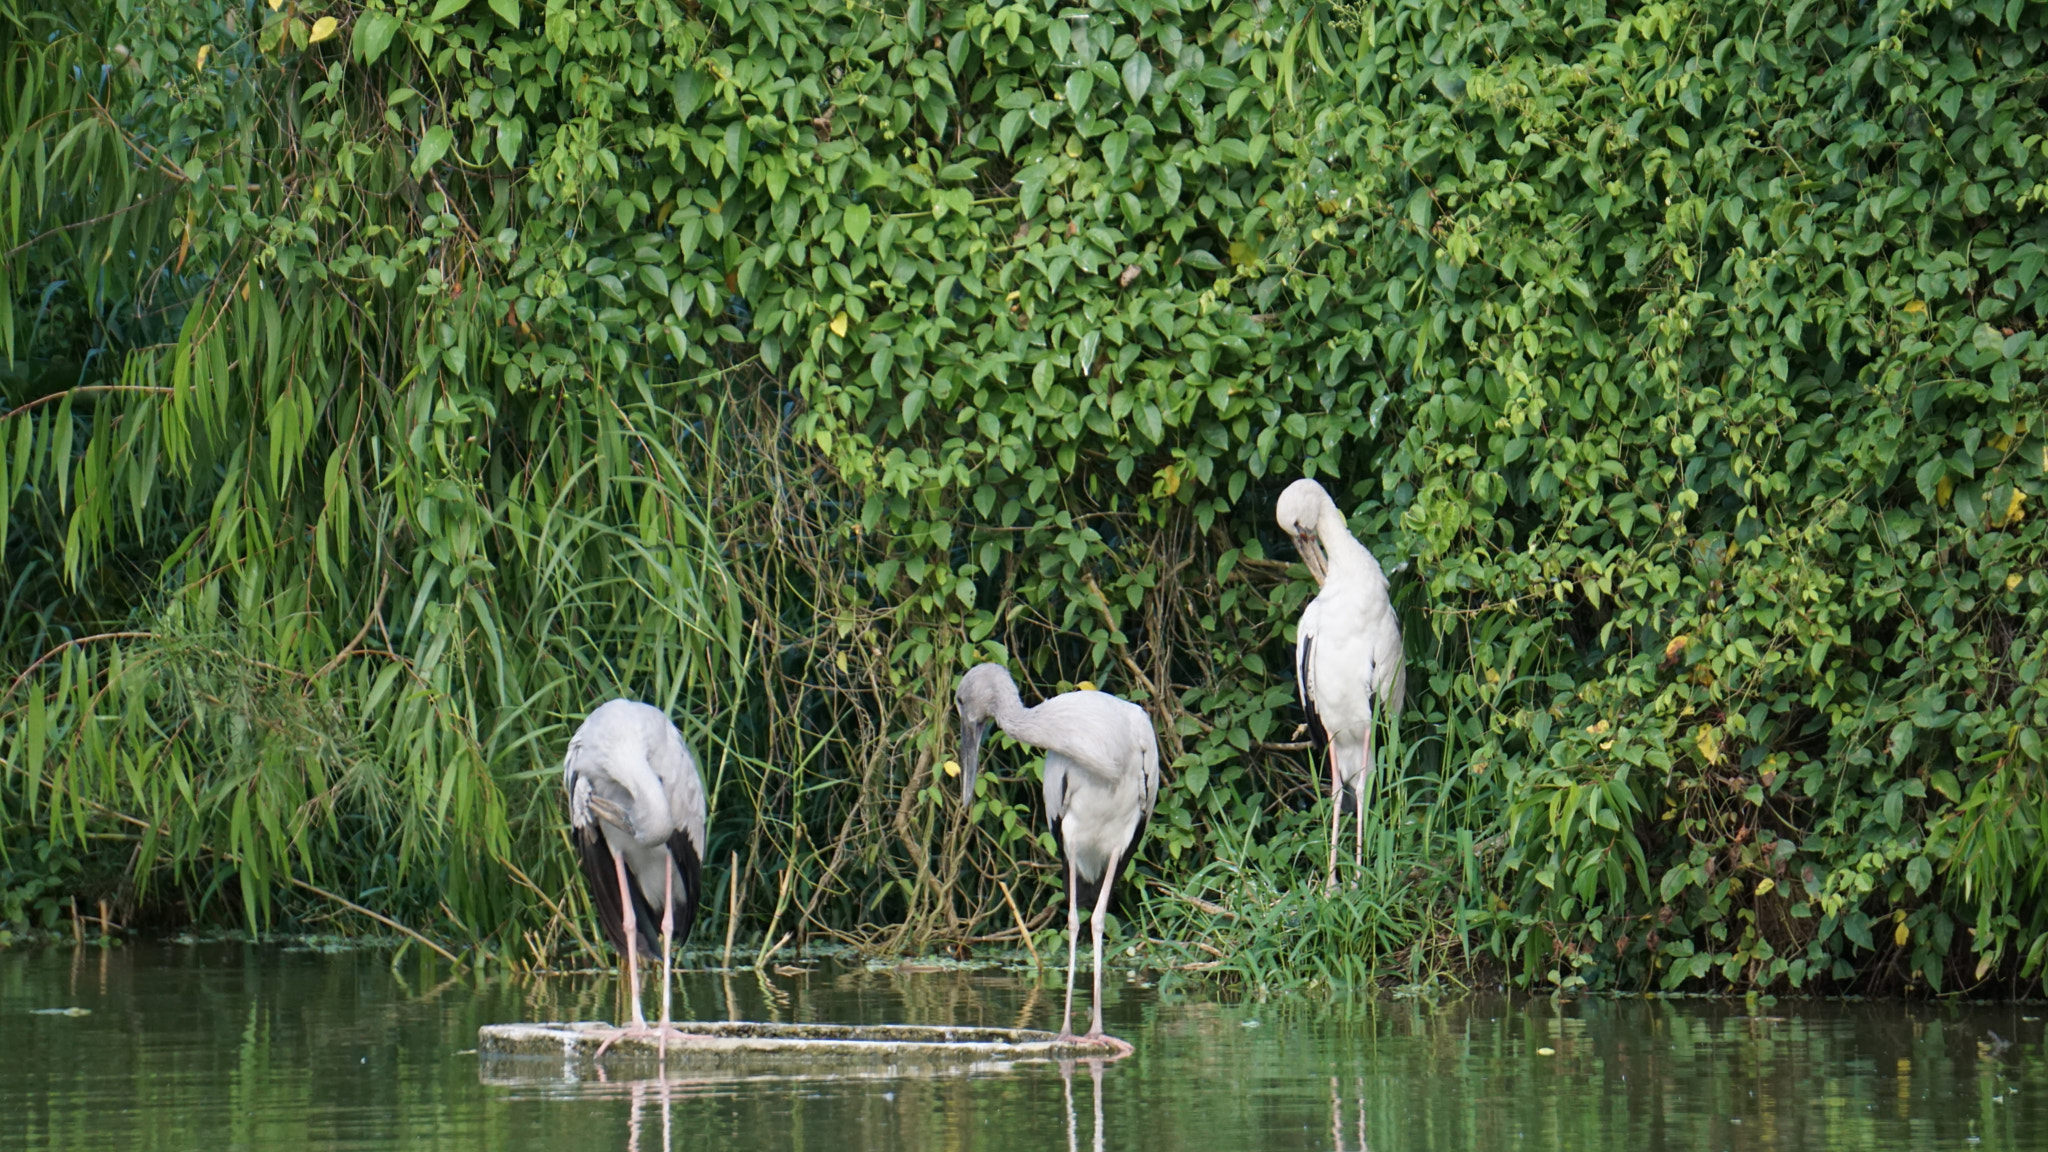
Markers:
{"x": 1101, "y": 780}
{"x": 636, "y": 813}
{"x": 1347, "y": 649}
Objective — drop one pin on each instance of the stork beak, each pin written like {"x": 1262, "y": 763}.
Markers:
{"x": 972, "y": 733}
{"x": 1311, "y": 550}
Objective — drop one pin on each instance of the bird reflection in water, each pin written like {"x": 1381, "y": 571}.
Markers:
{"x": 1337, "y": 1117}
{"x": 641, "y": 1090}
{"x": 1095, "y": 1074}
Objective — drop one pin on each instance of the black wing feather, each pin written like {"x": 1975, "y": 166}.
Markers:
{"x": 691, "y": 869}
{"x": 1318, "y": 735}
{"x": 603, "y": 878}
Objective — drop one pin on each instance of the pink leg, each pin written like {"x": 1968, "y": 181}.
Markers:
{"x": 632, "y": 938}
{"x": 1336, "y": 813}
{"x": 1073, "y": 946}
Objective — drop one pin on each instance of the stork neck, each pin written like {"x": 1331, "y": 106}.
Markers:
{"x": 1351, "y": 564}
{"x": 1014, "y": 718}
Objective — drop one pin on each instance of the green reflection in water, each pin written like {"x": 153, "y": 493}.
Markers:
{"x": 218, "y": 1047}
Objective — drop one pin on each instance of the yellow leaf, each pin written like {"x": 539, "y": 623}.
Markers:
{"x": 1915, "y": 307}
{"x": 199, "y": 62}
{"x": 839, "y": 324}
{"x": 1243, "y": 254}
{"x": 1902, "y": 935}
{"x": 1765, "y": 885}
{"x": 1709, "y": 742}
{"x": 2001, "y": 442}
{"x": 1943, "y": 490}
{"x": 952, "y": 767}
{"x": 1546, "y": 1051}
{"x": 2013, "y": 512}
{"x": 1597, "y": 729}
{"x": 1676, "y": 645}
{"x": 276, "y": 4}
{"x": 1983, "y": 966}
{"x": 2012, "y": 582}
{"x": 322, "y": 29}
{"x": 1169, "y": 479}
{"x": 1085, "y": 686}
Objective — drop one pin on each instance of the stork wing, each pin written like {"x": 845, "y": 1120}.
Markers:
{"x": 682, "y": 787}
{"x": 1390, "y": 686}
{"x": 1148, "y": 767}
{"x": 1055, "y": 789}
{"x": 1305, "y": 676}
{"x": 603, "y": 878}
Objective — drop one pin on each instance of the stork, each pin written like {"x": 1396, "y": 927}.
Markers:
{"x": 636, "y": 813}
{"x": 1347, "y": 649}
{"x": 1101, "y": 781}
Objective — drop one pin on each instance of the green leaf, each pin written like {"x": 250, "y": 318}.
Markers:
{"x": 1115, "y": 147}
{"x": 433, "y": 146}
{"x": 511, "y": 138}
{"x": 1201, "y": 258}
{"x": 1169, "y": 184}
{"x": 855, "y": 222}
{"x": 1137, "y": 76}
{"x": 1013, "y": 123}
{"x": 372, "y": 35}
{"x": 1080, "y": 82}
{"x": 445, "y": 9}
{"x": 507, "y": 10}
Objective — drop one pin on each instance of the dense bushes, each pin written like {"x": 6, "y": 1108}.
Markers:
{"x": 456, "y": 365}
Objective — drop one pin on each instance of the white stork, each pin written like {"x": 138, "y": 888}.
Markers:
{"x": 636, "y": 813}
{"x": 1101, "y": 781}
{"x": 1347, "y": 649}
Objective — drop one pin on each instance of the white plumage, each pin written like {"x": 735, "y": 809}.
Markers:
{"x": 1348, "y": 659}
{"x": 636, "y": 814}
{"x": 1101, "y": 782}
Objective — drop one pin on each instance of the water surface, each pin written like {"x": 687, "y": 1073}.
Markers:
{"x": 230, "y": 1046}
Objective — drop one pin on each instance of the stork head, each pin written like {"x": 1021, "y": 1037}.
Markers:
{"x": 1300, "y": 510}
{"x": 980, "y": 690}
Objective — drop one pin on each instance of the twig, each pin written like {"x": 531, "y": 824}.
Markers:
{"x": 1037, "y": 965}
{"x": 781, "y": 900}
{"x": 235, "y": 858}
{"x": 379, "y": 917}
{"x": 376, "y": 613}
{"x": 68, "y": 643}
{"x": 732, "y": 905}
{"x": 513, "y": 870}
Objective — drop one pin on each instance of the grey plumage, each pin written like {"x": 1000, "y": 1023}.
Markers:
{"x": 1348, "y": 659}
{"x": 1101, "y": 782}
{"x": 636, "y": 814}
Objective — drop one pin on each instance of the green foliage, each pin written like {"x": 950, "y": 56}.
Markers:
{"x": 774, "y": 361}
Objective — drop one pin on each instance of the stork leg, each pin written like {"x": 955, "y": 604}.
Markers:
{"x": 632, "y": 938}
{"x": 1095, "y": 1018}
{"x": 1073, "y": 946}
{"x": 668, "y": 940}
{"x": 1336, "y": 814}
{"x": 1101, "y": 913}
{"x": 1358, "y": 851}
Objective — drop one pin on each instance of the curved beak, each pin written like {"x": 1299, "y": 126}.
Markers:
{"x": 972, "y": 732}
{"x": 1311, "y": 550}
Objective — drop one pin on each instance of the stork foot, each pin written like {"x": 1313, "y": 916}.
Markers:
{"x": 1121, "y": 1047}
{"x": 642, "y": 1032}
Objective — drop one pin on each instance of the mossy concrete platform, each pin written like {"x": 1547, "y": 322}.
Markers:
{"x": 748, "y": 1048}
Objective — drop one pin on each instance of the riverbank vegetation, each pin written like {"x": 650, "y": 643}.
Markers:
{"x": 387, "y": 384}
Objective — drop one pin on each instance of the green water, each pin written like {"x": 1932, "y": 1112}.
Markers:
{"x": 225, "y": 1046}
